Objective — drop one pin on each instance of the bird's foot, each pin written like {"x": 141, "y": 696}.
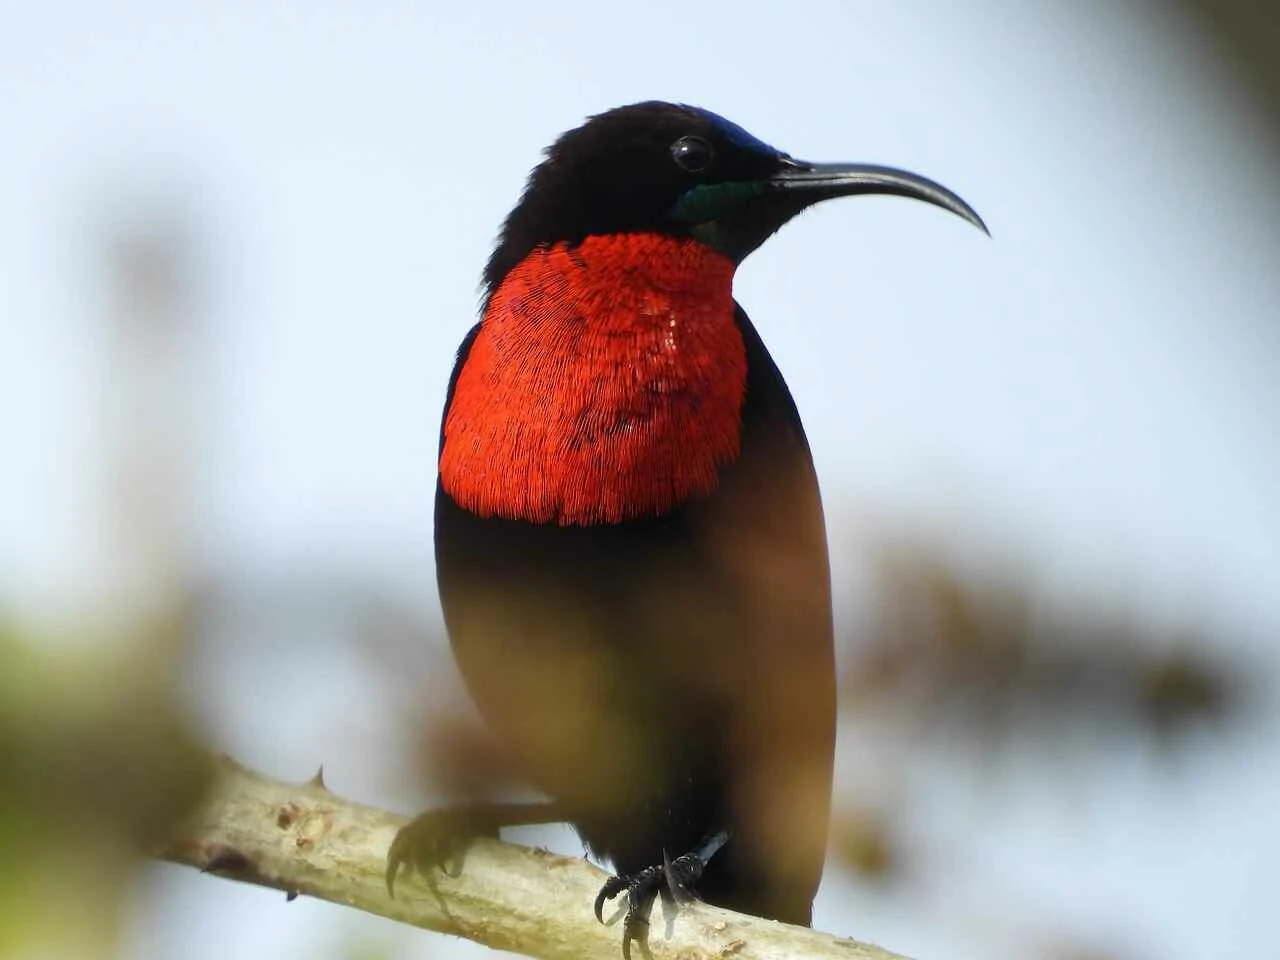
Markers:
{"x": 438, "y": 839}
{"x": 672, "y": 879}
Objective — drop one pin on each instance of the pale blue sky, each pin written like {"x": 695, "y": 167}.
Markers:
{"x": 1096, "y": 382}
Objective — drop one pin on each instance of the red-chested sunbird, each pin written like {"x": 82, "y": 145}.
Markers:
{"x": 629, "y": 537}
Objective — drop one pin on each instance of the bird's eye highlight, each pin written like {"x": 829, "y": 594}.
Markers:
{"x": 692, "y": 154}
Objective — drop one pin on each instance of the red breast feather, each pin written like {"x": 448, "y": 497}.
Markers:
{"x": 605, "y": 384}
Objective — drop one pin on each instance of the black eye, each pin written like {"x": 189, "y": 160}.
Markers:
{"x": 692, "y": 154}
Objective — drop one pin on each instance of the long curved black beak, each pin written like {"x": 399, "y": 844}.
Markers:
{"x": 744, "y": 218}
{"x": 811, "y": 183}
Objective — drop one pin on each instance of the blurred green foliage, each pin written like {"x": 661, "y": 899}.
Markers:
{"x": 98, "y": 764}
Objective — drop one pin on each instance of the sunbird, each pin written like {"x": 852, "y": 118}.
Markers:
{"x": 629, "y": 537}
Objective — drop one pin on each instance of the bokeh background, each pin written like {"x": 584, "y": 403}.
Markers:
{"x": 240, "y": 243}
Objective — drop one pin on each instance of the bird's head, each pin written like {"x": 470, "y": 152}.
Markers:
{"x": 683, "y": 171}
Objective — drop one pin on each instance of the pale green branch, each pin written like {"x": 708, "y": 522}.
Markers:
{"x": 303, "y": 839}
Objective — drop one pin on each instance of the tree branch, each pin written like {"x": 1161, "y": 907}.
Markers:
{"x": 303, "y": 839}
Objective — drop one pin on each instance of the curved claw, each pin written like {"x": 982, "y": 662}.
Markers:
{"x": 642, "y": 890}
{"x": 434, "y": 840}
{"x": 612, "y": 887}
{"x": 401, "y": 853}
{"x": 393, "y": 868}
{"x": 678, "y": 878}
{"x": 409, "y": 849}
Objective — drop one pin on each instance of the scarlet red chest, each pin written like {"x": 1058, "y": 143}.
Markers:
{"x": 605, "y": 384}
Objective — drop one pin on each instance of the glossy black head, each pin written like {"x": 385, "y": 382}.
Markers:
{"x": 684, "y": 171}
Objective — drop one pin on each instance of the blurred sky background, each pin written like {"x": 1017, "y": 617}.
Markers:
{"x": 1091, "y": 394}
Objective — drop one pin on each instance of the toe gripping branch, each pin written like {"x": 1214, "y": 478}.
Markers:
{"x": 675, "y": 880}
{"x": 438, "y": 839}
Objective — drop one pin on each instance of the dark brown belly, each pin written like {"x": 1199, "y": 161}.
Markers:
{"x": 666, "y": 678}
